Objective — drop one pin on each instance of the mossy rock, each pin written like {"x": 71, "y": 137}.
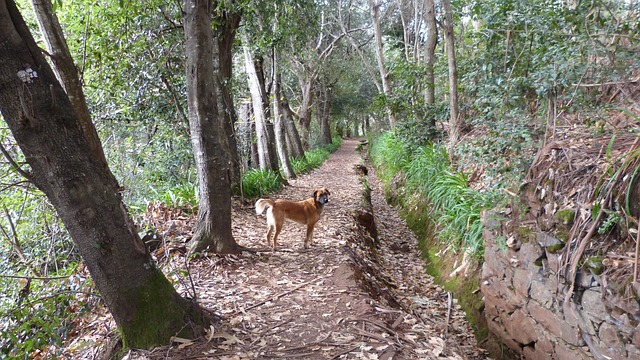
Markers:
{"x": 566, "y": 216}
{"x": 562, "y": 235}
{"x": 525, "y": 234}
{"x": 555, "y": 248}
{"x": 594, "y": 264}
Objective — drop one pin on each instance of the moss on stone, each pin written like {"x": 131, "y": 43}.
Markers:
{"x": 555, "y": 248}
{"x": 524, "y": 234}
{"x": 566, "y": 216}
{"x": 562, "y": 234}
{"x": 594, "y": 264}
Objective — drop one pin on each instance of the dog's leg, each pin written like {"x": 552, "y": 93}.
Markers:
{"x": 275, "y": 237}
{"x": 269, "y": 231}
{"x": 309, "y": 239}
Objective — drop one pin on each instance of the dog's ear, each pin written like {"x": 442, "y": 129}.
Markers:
{"x": 315, "y": 194}
{"x": 327, "y": 191}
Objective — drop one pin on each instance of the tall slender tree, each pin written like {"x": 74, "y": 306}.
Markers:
{"x": 213, "y": 226}
{"x": 455, "y": 122}
{"x": 256, "y": 91}
{"x": 429, "y": 53}
{"x": 144, "y": 305}
{"x": 278, "y": 123}
{"x": 382, "y": 66}
{"x": 226, "y": 25}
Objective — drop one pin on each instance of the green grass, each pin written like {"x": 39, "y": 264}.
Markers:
{"x": 454, "y": 207}
{"x": 258, "y": 182}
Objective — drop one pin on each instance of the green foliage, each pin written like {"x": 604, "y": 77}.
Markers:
{"x": 316, "y": 157}
{"x": 180, "y": 195}
{"x": 388, "y": 155}
{"x": 455, "y": 208}
{"x": 258, "y": 182}
{"x": 44, "y": 315}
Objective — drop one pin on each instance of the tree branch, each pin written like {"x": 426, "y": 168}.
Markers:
{"x": 13, "y": 163}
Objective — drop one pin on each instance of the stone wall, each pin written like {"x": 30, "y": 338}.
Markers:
{"x": 524, "y": 293}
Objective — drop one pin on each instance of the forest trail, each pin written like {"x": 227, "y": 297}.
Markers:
{"x": 332, "y": 301}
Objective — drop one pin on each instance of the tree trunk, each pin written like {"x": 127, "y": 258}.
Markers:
{"x": 266, "y": 107}
{"x": 245, "y": 134}
{"x": 67, "y": 74}
{"x": 228, "y": 23}
{"x": 262, "y": 134}
{"x": 455, "y": 122}
{"x": 324, "y": 106}
{"x": 144, "y": 305}
{"x": 278, "y": 123}
{"x": 213, "y": 225}
{"x": 304, "y": 112}
{"x": 430, "y": 58}
{"x": 382, "y": 67}
{"x": 292, "y": 132}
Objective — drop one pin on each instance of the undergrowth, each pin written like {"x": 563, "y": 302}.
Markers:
{"x": 426, "y": 173}
{"x": 257, "y": 182}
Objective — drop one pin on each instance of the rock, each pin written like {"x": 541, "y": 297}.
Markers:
{"x": 592, "y": 302}
{"x": 545, "y": 317}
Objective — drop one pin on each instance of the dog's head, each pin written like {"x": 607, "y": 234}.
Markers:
{"x": 321, "y": 196}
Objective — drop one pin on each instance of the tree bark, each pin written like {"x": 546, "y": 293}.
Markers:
{"x": 262, "y": 134}
{"x": 455, "y": 123}
{"x": 304, "y": 112}
{"x": 67, "y": 74}
{"x": 144, "y": 305}
{"x": 227, "y": 24}
{"x": 213, "y": 225}
{"x": 429, "y": 54}
{"x": 278, "y": 123}
{"x": 324, "y": 107}
{"x": 258, "y": 62}
{"x": 288, "y": 117}
{"x": 382, "y": 67}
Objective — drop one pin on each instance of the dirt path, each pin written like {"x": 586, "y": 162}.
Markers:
{"x": 312, "y": 304}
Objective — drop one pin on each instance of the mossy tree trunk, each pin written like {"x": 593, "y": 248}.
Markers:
{"x": 213, "y": 225}
{"x": 144, "y": 305}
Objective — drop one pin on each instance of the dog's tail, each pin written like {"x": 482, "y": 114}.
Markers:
{"x": 263, "y": 204}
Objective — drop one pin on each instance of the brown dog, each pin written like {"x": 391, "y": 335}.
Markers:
{"x": 303, "y": 212}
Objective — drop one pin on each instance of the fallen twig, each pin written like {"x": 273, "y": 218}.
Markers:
{"x": 276, "y": 297}
{"x": 345, "y": 352}
{"x": 446, "y": 324}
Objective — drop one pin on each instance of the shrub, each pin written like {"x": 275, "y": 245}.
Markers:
{"x": 454, "y": 207}
{"x": 258, "y": 182}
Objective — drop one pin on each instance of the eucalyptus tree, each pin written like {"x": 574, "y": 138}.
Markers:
{"x": 376, "y": 18}
{"x": 429, "y": 56}
{"x": 455, "y": 121}
{"x": 308, "y": 58}
{"x": 145, "y": 306}
{"x": 258, "y": 96}
{"x": 289, "y": 25}
{"x": 206, "y": 118}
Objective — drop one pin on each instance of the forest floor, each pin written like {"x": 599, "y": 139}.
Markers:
{"x": 340, "y": 299}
